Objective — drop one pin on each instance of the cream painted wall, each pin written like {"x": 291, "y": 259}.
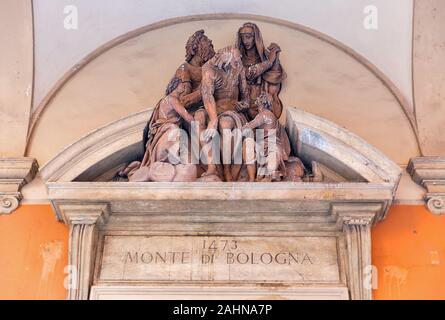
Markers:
{"x": 429, "y": 74}
{"x": 16, "y": 75}
{"x": 58, "y": 49}
{"x": 321, "y": 79}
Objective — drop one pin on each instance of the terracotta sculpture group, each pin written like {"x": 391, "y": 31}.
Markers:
{"x": 219, "y": 119}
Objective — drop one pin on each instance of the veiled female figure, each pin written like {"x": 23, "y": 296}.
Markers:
{"x": 263, "y": 69}
{"x": 264, "y": 73}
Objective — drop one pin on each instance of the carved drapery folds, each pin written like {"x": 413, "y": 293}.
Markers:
{"x": 85, "y": 222}
{"x": 429, "y": 172}
{"x": 14, "y": 174}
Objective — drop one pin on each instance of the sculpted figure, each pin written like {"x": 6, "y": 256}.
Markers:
{"x": 166, "y": 117}
{"x": 263, "y": 68}
{"x": 264, "y": 73}
{"x": 226, "y": 99}
{"x": 199, "y": 49}
{"x": 162, "y": 136}
{"x": 220, "y": 92}
{"x": 271, "y": 157}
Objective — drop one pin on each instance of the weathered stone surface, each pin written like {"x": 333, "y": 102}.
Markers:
{"x": 194, "y": 258}
{"x": 14, "y": 174}
{"x": 429, "y": 172}
{"x": 294, "y": 170}
{"x": 186, "y": 173}
{"x": 141, "y": 175}
{"x": 210, "y": 178}
{"x": 219, "y": 293}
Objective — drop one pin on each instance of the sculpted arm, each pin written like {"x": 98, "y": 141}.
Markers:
{"x": 187, "y": 97}
{"x": 179, "y": 108}
{"x": 191, "y": 98}
{"x": 244, "y": 87}
{"x": 208, "y": 89}
{"x": 272, "y": 63}
{"x": 255, "y": 123}
{"x": 243, "y": 105}
{"x": 257, "y": 70}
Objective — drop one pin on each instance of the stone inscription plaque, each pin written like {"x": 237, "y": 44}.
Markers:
{"x": 235, "y": 259}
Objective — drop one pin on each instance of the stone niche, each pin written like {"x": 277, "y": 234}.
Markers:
{"x": 222, "y": 240}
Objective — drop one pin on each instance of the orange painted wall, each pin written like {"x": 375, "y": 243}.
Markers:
{"x": 33, "y": 254}
{"x": 408, "y": 251}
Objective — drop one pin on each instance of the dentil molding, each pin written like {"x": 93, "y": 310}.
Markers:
{"x": 429, "y": 172}
{"x": 14, "y": 174}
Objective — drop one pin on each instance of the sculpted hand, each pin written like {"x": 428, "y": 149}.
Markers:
{"x": 274, "y": 51}
{"x": 211, "y": 131}
{"x": 274, "y": 47}
{"x": 272, "y": 56}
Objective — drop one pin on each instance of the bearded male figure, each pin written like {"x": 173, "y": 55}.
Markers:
{"x": 226, "y": 99}
{"x": 199, "y": 50}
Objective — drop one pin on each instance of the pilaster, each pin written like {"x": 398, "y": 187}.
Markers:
{"x": 356, "y": 221}
{"x": 84, "y": 222}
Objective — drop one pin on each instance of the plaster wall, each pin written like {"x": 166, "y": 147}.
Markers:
{"x": 16, "y": 75}
{"x": 429, "y": 74}
{"x": 99, "y": 21}
{"x": 322, "y": 79}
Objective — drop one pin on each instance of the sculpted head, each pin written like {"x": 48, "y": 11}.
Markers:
{"x": 229, "y": 57}
{"x": 247, "y": 36}
{"x": 199, "y": 44}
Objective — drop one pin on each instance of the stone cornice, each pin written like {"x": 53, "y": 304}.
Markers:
{"x": 124, "y": 191}
{"x": 14, "y": 174}
{"x": 359, "y": 214}
{"x": 85, "y": 214}
{"x": 429, "y": 172}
